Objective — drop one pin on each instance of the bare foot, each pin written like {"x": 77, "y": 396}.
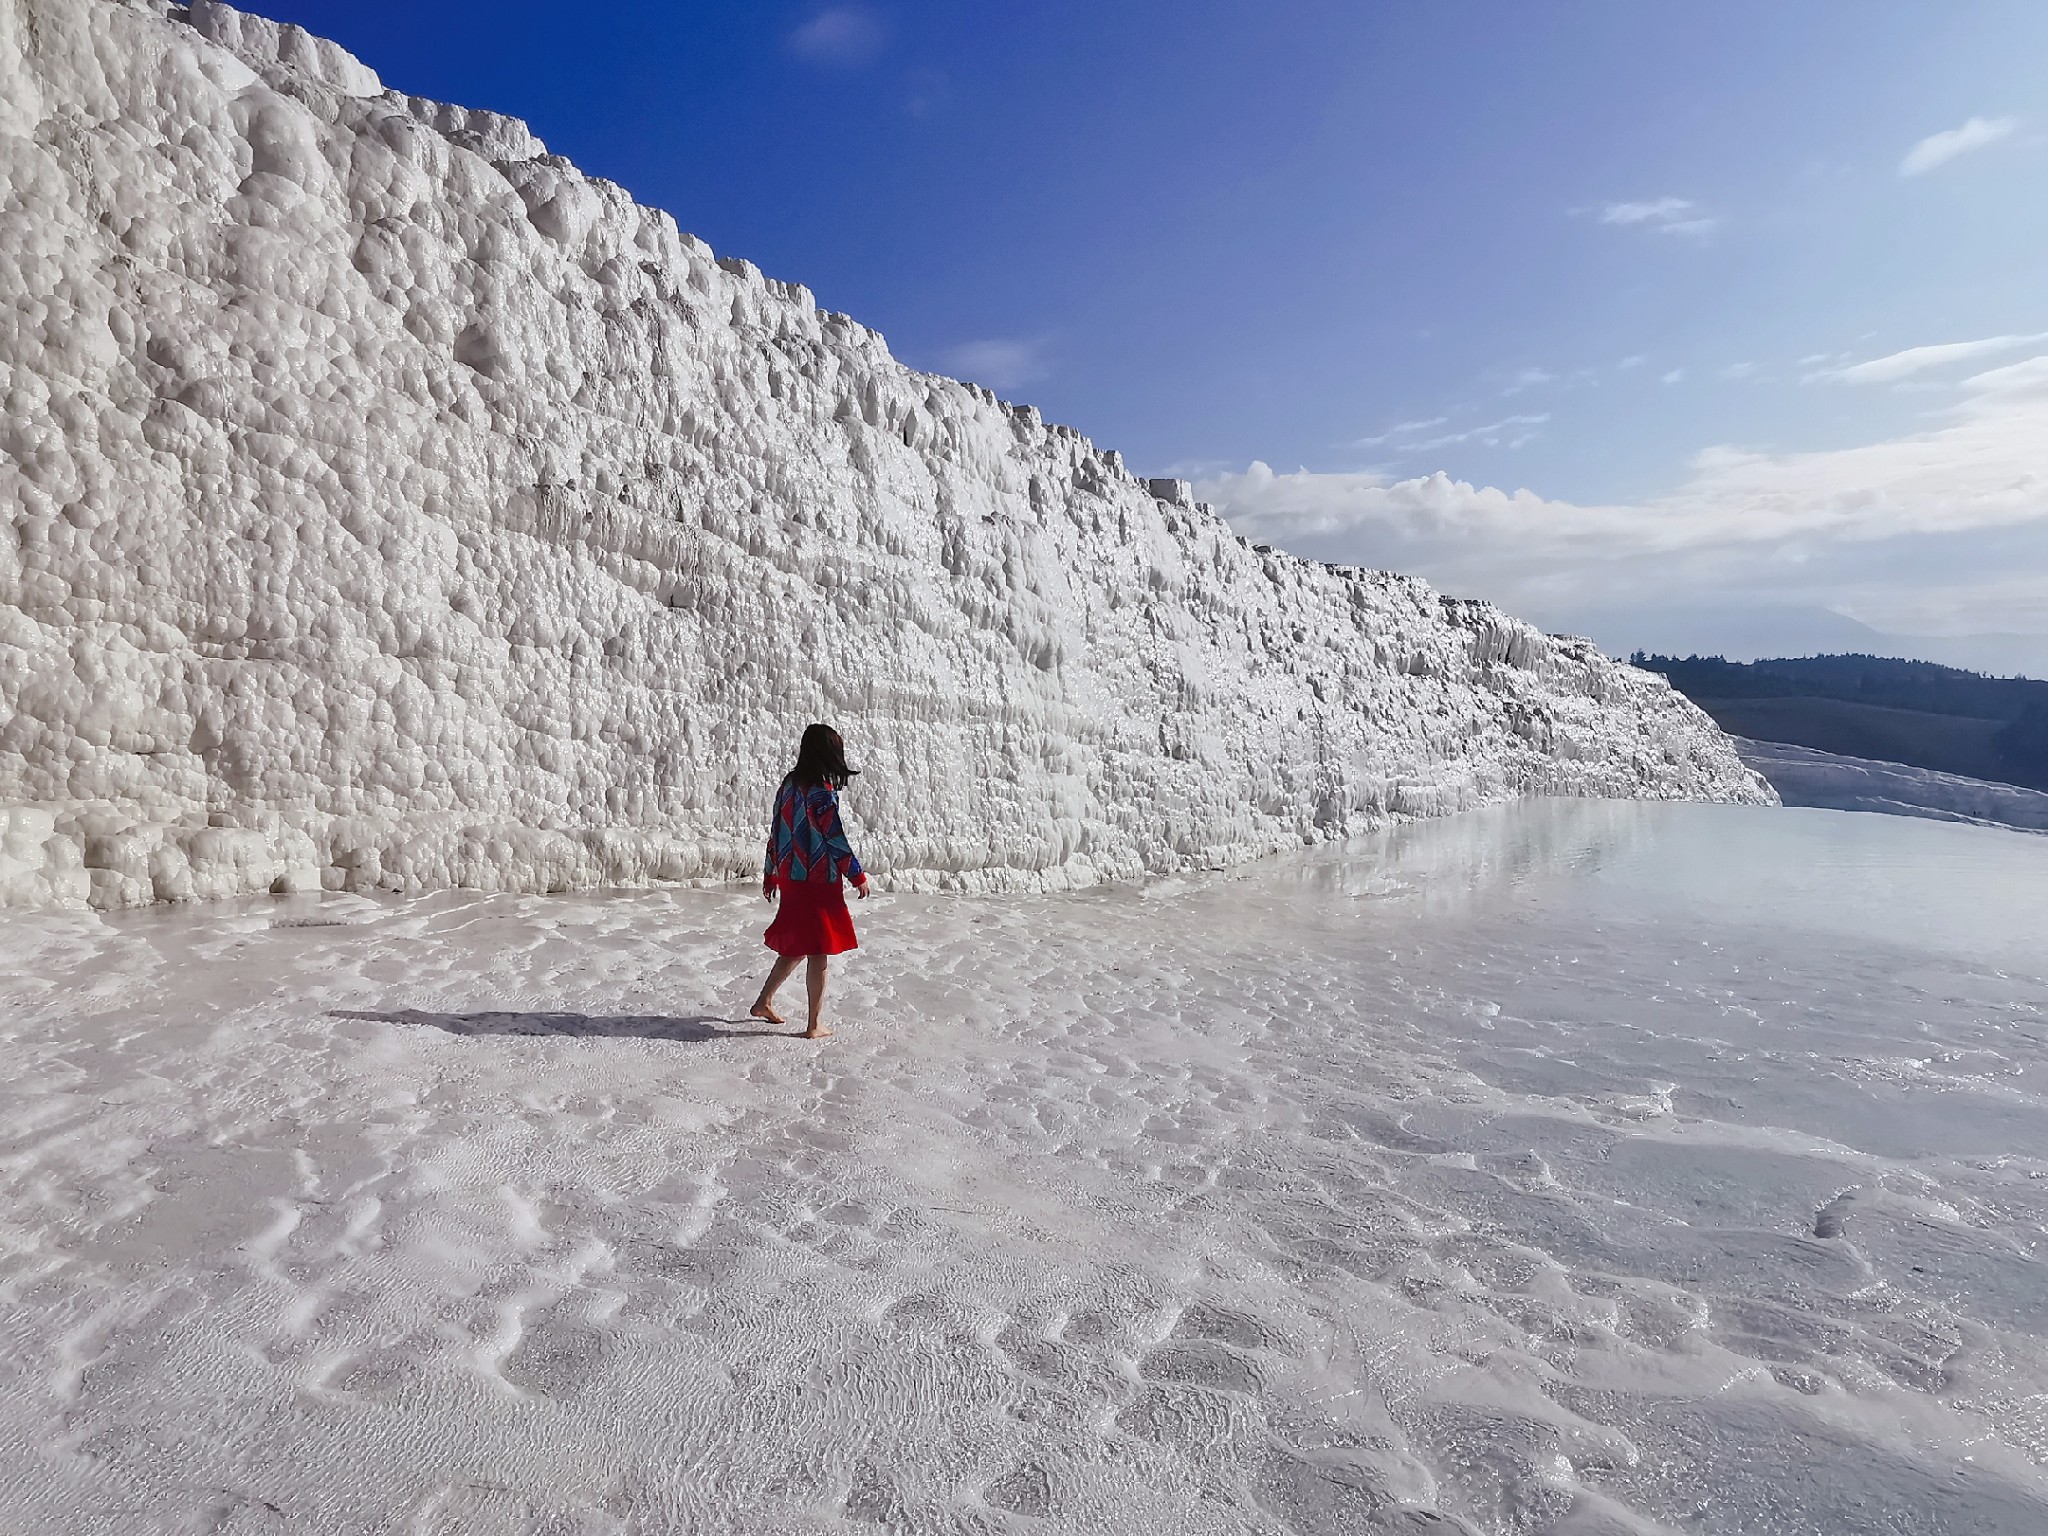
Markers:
{"x": 763, "y": 1011}
{"x": 816, "y": 1032}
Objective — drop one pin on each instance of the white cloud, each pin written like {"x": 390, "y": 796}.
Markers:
{"x": 1894, "y": 366}
{"x": 1666, "y": 215}
{"x": 1508, "y": 432}
{"x": 1527, "y": 378}
{"x": 1675, "y": 376}
{"x": 1949, "y": 520}
{"x": 999, "y": 362}
{"x": 1937, "y": 149}
{"x": 839, "y": 36}
{"x": 1739, "y": 371}
{"x": 1633, "y": 360}
{"x": 1664, "y": 208}
{"x": 1511, "y": 431}
{"x": 1400, "y": 430}
{"x": 2029, "y": 377}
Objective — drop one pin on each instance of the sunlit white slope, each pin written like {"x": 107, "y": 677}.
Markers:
{"x": 391, "y": 505}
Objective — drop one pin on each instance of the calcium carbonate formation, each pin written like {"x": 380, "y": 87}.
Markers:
{"x": 390, "y": 506}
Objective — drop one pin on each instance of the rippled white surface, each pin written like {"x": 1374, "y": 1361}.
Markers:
{"x": 1572, "y": 1168}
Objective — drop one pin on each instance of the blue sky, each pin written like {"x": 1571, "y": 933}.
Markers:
{"x": 1645, "y": 262}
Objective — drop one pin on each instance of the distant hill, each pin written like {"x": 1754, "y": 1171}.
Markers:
{"x": 1751, "y": 631}
{"x": 1912, "y": 712}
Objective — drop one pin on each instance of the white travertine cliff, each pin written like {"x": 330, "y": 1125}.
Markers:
{"x": 389, "y": 505}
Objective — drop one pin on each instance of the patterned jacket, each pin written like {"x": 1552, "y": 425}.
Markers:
{"x": 805, "y": 839}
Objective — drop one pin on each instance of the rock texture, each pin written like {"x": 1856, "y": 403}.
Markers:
{"x": 390, "y": 505}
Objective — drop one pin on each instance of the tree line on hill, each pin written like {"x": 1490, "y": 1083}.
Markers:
{"x": 1912, "y": 712}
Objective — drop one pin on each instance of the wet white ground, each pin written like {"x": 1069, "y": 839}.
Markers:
{"x": 1580, "y": 1168}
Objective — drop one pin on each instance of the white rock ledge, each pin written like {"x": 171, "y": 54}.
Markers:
{"x": 1804, "y": 776}
{"x": 391, "y": 506}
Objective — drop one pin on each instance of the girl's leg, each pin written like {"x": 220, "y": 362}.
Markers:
{"x": 816, "y": 978}
{"x": 764, "y": 1005}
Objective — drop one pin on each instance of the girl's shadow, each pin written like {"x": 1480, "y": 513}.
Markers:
{"x": 575, "y": 1025}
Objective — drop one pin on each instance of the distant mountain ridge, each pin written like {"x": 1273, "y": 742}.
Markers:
{"x": 1913, "y": 712}
{"x": 1755, "y": 630}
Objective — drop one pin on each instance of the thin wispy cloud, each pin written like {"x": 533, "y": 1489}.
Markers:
{"x": 1895, "y": 366}
{"x": 1508, "y": 432}
{"x": 840, "y": 37}
{"x": 1675, "y": 376}
{"x": 1665, "y": 215}
{"x": 1412, "y": 437}
{"x": 1527, "y": 378}
{"x": 1000, "y": 362}
{"x": 1400, "y": 430}
{"x": 1656, "y": 212}
{"x": 1937, "y": 149}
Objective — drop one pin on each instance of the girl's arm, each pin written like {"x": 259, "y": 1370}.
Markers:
{"x": 825, "y": 815}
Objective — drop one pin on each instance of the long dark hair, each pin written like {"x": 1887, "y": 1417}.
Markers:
{"x": 820, "y": 760}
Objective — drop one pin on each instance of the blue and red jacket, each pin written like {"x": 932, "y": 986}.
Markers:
{"x": 806, "y": 841}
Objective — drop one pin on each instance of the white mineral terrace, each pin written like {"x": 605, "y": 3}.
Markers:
{"x": 390, "y": 506}
{"x": 1803, "y": 776}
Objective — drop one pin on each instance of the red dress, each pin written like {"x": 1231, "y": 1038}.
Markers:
{"x": 812, "y": 919}
{"x": 809, "y": 861}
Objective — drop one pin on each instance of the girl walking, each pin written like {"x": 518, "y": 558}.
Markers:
{"x": 808, "y": 859}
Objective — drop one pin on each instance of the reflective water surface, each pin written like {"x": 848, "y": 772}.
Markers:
{"x": 1927, "y": 887}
